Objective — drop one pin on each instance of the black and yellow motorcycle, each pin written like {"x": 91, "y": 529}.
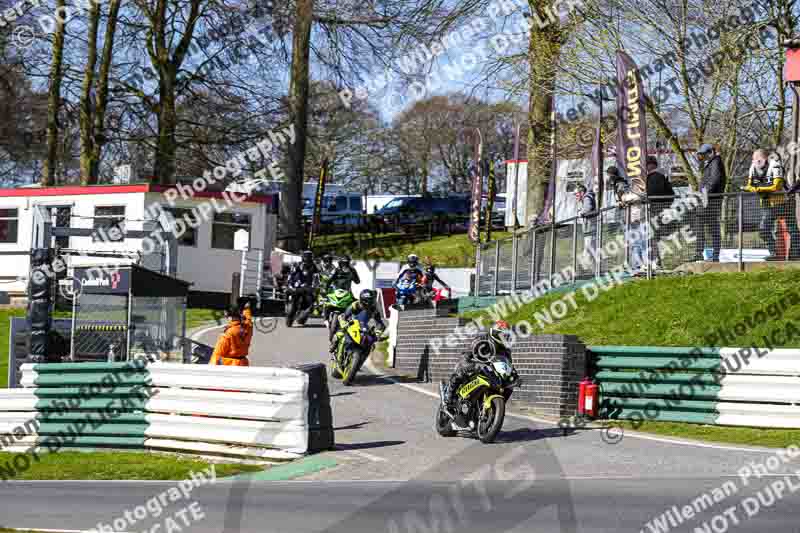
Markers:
{"x": 358, "y": 344}
{"x": 481, "y": 402}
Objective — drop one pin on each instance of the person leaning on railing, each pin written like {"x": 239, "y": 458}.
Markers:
{"x": 766, "y": 177}
{"x": 713, "y": 182}
{"x": 232, "y": 346}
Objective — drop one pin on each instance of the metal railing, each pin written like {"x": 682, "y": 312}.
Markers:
{"x": 646, "y": 237}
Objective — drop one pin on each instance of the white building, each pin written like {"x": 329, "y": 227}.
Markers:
{"x": 207, "y": 254}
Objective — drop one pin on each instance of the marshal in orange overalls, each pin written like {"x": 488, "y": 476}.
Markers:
{"x": 234, "y": 344}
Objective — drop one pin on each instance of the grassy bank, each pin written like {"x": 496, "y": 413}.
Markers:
{"x": 120, "y": 465}
{"x": 671, "y": 311}
{"x": 682, "y": 311}
{"x": 445, "y": 251}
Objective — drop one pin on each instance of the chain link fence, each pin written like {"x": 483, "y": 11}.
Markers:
{"x": 646, "y": 238}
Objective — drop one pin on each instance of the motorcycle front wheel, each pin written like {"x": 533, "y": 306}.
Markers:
{"x": 443, "y": 425}
{"x": 290, "y": 313}
{"x": 333, "y": 321}
{"x": 350, "y": 367}
{"x": 491, "y": 420}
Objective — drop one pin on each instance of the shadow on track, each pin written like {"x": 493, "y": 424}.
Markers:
{"x": 368, "y": 445}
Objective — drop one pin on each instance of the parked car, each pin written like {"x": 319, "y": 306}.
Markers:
{"x": 414, "y": 210}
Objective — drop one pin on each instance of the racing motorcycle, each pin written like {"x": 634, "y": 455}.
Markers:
{"x": 358, "y": 344}
{"x": 299, "y": 303}
{"x": 481, "y": 402}
{"x": 407, "y": 291}
{"x": 335, "y": 304}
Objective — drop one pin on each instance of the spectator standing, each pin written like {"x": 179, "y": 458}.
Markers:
{"x": 766, "y": 177}
{"x": 635, "y": 236}
{"x": 660, "y": 196}
{"x": 713, "y": 183}
{"x": 587, "y": 210}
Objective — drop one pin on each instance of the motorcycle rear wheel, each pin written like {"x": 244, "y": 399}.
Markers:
{"x": 488, "y": 429}
{"x": 443, "y": 425}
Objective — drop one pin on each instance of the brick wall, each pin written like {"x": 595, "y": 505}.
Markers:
{"x": 551, "y": 366}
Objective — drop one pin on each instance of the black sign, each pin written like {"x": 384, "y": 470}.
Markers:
{"x": 101, "y": 280}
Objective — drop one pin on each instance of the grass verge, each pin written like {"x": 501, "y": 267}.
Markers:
{"x": 669, "y": 311}
{"x": 746, "y": 436}
{"x": 100, "y": 465}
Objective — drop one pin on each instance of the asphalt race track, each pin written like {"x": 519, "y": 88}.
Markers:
{"x": 393, "y": 473}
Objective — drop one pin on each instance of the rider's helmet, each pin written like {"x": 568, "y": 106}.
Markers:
{"x": 308, "y": 256}
{"x": 344, "y": 262}
{"x": 430, "y": 270}
{"x": 413, "y": 260}
{"x": 327, "y": 260}
{"x": 500, "y": 334}
{"x": 367, "y": 298}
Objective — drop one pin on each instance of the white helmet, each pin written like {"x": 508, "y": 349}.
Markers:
{"x": 412, "y": 259}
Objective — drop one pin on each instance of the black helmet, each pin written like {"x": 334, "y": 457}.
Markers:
{"x": 430, "y": 269}
{"x": 327, "y": 259}
{"x": 308, "y": 256}
{"x": 367, "y": 297}
{"x": 344, "y": 261}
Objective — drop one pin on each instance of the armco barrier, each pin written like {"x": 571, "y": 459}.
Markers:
{"x": 715, "y": 386}
{"x": 269, "y": 413}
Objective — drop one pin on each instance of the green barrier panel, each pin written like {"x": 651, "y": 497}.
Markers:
{"x": 65, "y": 368}
{"x": 96, "y": 417}
{"x": 667, "y": 416}
{"x": 50, "y": 405}
{"x": 66, "y": 431}
{"x": 709, "y": 392}
{"x": 613, "y": 361}
{"x": 608, "y": 377}
{"x": 88, "y": 378}
{"x": 102, "y": 391}
{"x": 93, "y": 442}
{"x": 646, "y": 351}
{"x": 611, "y": 403}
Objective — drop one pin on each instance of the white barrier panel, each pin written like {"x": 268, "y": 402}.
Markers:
{"x": 238, "y": 378}
{"x": 778, "y": 362}
{"x": 288, "y": 436}
{"x": 758, "y": 415}
{"x": 245, "y": 405}
{"x": 207, "y": 448}
{"x": 18, "y": 400}
{"x": 16, "y": 425}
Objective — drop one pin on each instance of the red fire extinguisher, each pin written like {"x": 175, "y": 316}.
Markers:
{"x": 587, "y": 398}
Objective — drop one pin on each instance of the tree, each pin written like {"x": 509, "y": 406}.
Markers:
{"x": 93, "y": 109}
{"x": 54, "y": 99}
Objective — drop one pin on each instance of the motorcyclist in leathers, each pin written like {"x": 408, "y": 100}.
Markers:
{"x": 496, "y": 341}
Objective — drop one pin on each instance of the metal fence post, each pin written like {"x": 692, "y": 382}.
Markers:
{"x": 496, "y": 268}
{"x": 552, "y": 252}
{"x": 647, "y": 237}
{"x": 626, "y": 234}
{"x": 514, "y": 263}
{"x": 598, "y": 253}
{"x": 574, "y": 250}
{"x": 740, "y": 221}
{"x": 478, "y": 271}
{"x": 534, "y": 264}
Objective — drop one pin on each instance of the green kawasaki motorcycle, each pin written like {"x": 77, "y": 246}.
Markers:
{"x": 336, "y": 303}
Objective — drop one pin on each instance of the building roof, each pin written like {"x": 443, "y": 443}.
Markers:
{"x": 73, "y": 190}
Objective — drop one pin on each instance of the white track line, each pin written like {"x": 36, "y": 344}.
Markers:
{"x": 627, "y": 433}
{"x": 202, "y": 332}
{"x": 373, "y": 458}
